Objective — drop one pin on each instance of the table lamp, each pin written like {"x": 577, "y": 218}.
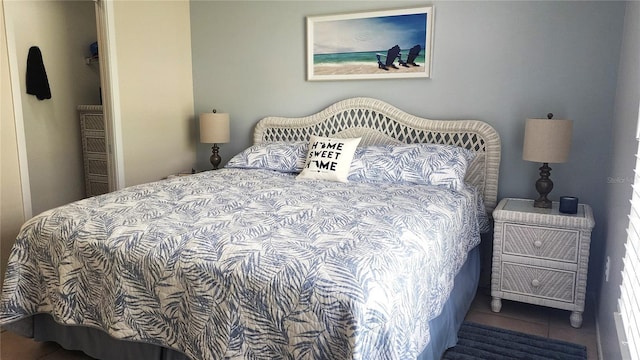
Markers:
{"x": 214, "y": 129}
{"x": 546, "y": 141}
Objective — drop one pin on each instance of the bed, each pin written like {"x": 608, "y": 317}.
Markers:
{"x": 255, "y": 261}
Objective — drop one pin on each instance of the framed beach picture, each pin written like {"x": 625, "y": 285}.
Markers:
{"x": 387, "y": 44}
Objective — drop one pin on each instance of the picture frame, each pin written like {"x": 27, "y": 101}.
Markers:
{"x": 388, "y": 44}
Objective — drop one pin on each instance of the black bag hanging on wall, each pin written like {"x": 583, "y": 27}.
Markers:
{"x": 37, "y": 81}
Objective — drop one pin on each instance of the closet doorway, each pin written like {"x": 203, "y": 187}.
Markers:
{"x": 48, "y": 130}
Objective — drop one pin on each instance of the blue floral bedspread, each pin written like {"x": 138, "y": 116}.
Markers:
{"x": 249, "y": 264}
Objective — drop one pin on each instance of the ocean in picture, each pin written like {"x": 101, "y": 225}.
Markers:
{"x": 360, "y": 58}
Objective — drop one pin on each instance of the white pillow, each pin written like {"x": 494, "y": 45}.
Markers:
{"x": 328, "y": 158}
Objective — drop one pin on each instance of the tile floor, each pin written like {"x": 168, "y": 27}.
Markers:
{"x": 536, "y": 320}
{"x": 515, "y": 316}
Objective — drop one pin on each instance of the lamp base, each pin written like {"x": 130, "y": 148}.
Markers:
{"x": 215, "y": 158}
{"x": 542, "y": 203}
{"x": 544, "y": 185}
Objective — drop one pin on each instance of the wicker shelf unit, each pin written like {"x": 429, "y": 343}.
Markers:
{"x": 94, "y": 149}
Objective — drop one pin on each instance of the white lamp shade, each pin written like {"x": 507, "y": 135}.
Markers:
{"x": 214, "y": 128}
{"x": 547, "y": 140}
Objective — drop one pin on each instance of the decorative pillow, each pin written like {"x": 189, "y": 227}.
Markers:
{"x": 429, "y": 164}
{"x": 287, "y": 157}
{"x": 329, "y": 158}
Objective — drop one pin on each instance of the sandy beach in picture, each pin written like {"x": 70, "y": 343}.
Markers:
{"x": 362, "y": 68}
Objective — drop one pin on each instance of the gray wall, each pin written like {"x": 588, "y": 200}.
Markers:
{"x": 620, "y": 179}
{"x": 500, "y": 62}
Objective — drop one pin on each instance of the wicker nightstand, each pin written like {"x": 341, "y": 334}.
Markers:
{"x": 541, "y": 256}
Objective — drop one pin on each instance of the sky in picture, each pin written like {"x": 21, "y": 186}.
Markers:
{"x": 370, "y": 34}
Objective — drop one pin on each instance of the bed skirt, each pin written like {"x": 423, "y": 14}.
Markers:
{"x": 98, "y": 344}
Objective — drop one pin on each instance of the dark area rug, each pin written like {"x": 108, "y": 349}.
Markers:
{"x": 476, "y": 342}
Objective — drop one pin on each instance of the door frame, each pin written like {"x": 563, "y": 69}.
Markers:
{"x": 111, "y": 98}
{"x": 18, "y": 116}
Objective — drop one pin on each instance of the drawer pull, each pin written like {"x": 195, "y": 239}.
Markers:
{"x": 537, "y": 243}
{"x": 535, "y": 283}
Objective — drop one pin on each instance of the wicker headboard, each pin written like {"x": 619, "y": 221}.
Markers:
{"x": 377, "y": 122}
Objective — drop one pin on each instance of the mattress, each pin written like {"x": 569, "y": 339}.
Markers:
{"x": 98, "y": 344}
{"x": 244, "y": 263}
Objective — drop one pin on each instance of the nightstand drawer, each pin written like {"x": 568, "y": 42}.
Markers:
{"x": 538, "y": 281}
{"x": 541, "y": 242}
